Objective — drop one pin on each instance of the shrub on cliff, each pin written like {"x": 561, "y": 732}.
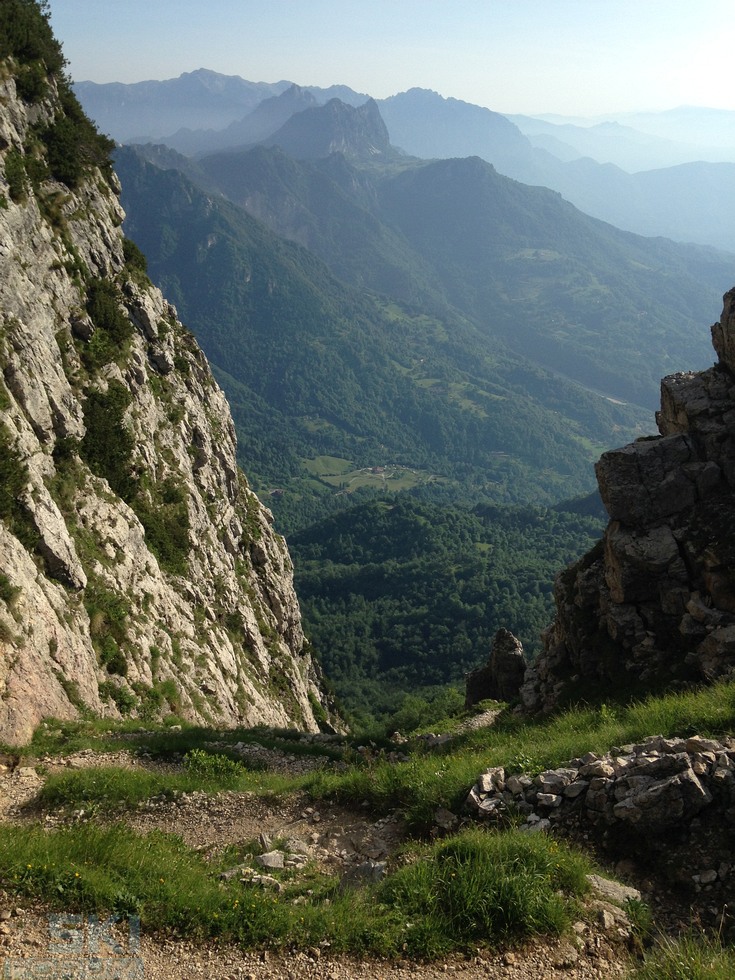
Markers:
{"x": 25, "y": 34}
{"x": 71, "y": 141}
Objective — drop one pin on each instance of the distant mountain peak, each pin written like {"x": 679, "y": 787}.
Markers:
{"x": 265, "y": 119}
{"x": 278, "y": 108}
{"x": 357, "y": 132}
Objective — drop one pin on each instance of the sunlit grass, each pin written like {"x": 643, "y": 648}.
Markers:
{"x": 107, "y": 788}
{"x": 477, "y": 887}
{"x": 170, "y": 738}
{"x": 480, "y": 888}
{"x": 687, "y": 958}
{"x": 435, "y": 779}
{"x": 428, "y": 779}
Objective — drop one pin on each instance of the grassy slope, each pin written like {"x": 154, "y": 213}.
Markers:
{"x": 534, "y": 881}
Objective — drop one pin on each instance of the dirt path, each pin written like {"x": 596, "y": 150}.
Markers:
{"x": 334, "y": 837}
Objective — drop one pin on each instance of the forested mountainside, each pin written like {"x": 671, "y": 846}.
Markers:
{"x": 341, "y": 393}
{"x": 406, "y": 596}
{"x": 335, "y": 379}
{"x": 442, "y": 330}
{"x": 139, "y": 571}
{"x": 528, "y": 270}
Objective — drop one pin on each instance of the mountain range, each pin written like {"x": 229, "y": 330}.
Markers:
{"x": 315, "y": 367}
{"x": 383, "y": 323}
{"x": 695, "y": 204}
{"x": 619, "y": 143}
{"x": 528, "y": 269}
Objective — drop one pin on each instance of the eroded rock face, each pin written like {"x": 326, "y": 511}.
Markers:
{"x": 157, "y": 585}
{"x": 657, "y": 597}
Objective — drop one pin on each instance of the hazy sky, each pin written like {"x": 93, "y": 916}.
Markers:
{"x": 567, "y": 56}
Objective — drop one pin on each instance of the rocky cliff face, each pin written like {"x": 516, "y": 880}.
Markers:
{"x": 656, "y": 599}
{"x": 138, "y": 572}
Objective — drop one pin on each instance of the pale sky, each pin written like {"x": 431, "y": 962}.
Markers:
{"x": 574, "y": 57}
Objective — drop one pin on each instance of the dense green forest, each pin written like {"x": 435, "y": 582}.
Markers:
{"x": 401, "y": 595}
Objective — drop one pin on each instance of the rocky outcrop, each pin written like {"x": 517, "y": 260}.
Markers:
{"x": 138, "y": 571}
{"x": 648, "y": 787}
{"x": 501, "y": 677}
{"x": 656, "y": 599}
{"x": 667, "y": 803}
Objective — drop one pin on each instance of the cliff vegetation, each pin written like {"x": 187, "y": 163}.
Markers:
{"x": 140, "y": 574}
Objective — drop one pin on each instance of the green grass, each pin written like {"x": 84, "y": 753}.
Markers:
{"x": 483, "y": 887}
{"x": 94, "y": 868}
{"x": 328, "y": 465}
{"x": 170, "y": 738}
{"x": 417, "y": 787}
{"x": 387, "y": 478}
{"x": 444, "y": 778}
{"x": 111, "y": 788}
{"x": 435, "y": 778}
{"x": 687, "y": 958}
{"x": 479, "y": 888}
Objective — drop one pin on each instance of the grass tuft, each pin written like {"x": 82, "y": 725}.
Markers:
{"x": 487, "y": 887}
{"x": 687, "y": 958}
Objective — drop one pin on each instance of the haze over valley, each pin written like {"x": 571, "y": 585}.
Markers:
{"x": 475, "y": 304}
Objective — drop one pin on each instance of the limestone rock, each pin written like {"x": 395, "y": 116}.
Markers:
{"x": 613, "y": 890}
{"x": 642, "y": 793}
{"x": 145, "y": 309}
{"x": 160, "y": 587}
{"x": 367, "y": 873}
{"x": 501, "y": 678}
{"x": 723, "y": 333}
{"x": 55, "y": 545}
{"x": 272, "y": 859}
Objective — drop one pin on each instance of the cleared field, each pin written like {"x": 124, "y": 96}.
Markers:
{"x": 340, "y": 474}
